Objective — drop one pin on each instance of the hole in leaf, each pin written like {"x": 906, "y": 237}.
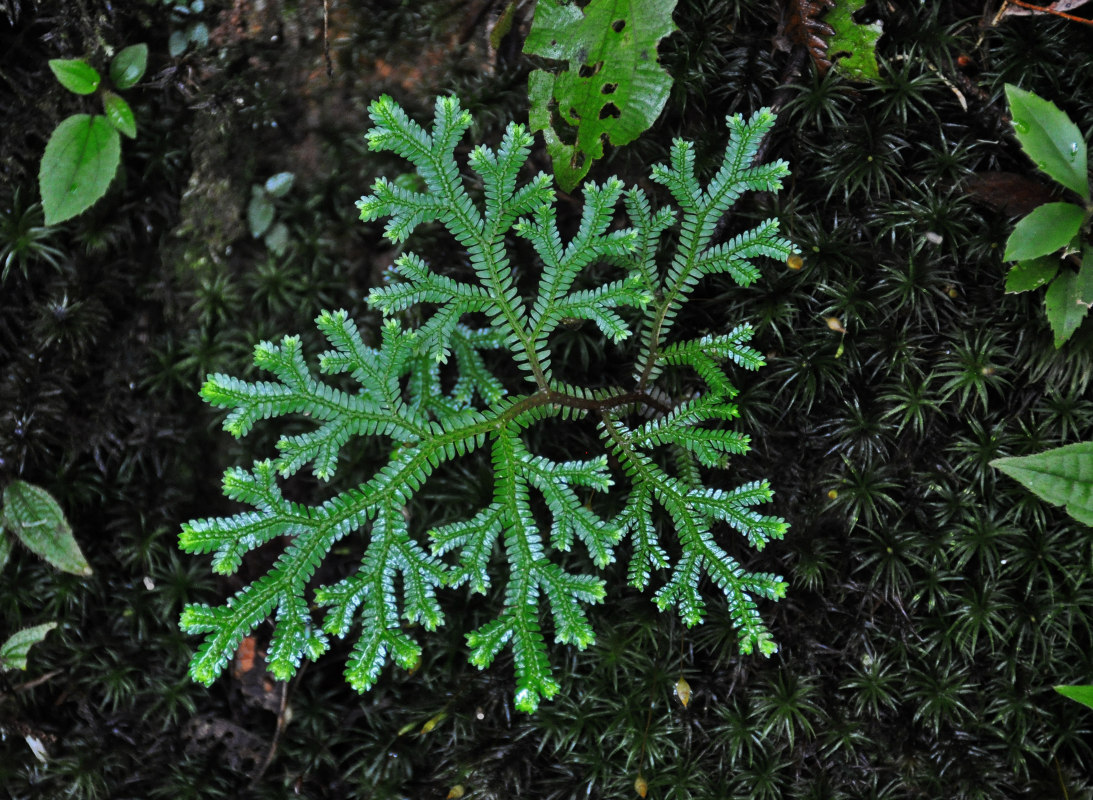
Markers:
{"x": 610, "y": 110}
{"x": 609, "y": 88}
{"x": 618, "y": 25}
{"x": 587, "y": 71}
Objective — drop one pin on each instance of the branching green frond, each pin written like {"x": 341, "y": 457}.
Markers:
{"x": 432, "y": 415}
{"x": 692, "y": 511}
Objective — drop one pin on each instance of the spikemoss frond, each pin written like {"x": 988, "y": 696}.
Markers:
{"x": 400, "y": 395}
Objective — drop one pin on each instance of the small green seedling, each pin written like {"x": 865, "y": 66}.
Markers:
{"x": 84, "y": 151}
{"x": 261, "y": 211}
{"x": 1052, "y": 245}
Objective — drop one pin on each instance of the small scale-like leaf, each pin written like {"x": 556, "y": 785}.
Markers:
{"x": 1047, "y": 229}
{"x": 1064, "y": 311}
{"x": 1082, "y": 694}
{"x": 259, "y": 214}
{"x": 1062, "y": 476}
{"x": 278, "y": 185}
{"x": 76, "y": 75}
{"x": 1050, "y": 139}
{"x": 119, "y": 114}
{"x": 129, "y": 65}
{"x": 31, "y": 513}
{"x": 81, "y": 158}
{"x": 13, "y": 652}
{"x": 1025, "y": 276}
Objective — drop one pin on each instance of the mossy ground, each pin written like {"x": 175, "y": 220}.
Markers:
{"x": 933, "y": 602}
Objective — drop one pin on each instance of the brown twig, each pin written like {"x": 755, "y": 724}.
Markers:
{"x": 1042, "y": 10}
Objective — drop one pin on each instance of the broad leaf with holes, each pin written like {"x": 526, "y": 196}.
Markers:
{"x": 613, "y": 89}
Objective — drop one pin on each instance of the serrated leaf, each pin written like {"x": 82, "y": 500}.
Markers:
{"x": 79, "y": 163}
{"x": 259, "y": 214}
{"x": 279, "y": 185}
{"x": 614, "y": 88}
{"x": 1062, "y": 476}
{"x": 76, "y": 75}
{"x": 35, "y": 518}
{"x": 119, "y": 114}
{"x": 1064, "y": 311}
{"x": 1024, "y": 276}
{"x": 1081, "y": 694}
{"x": 1047, "y": 229}
{"x": 1050, "y": 139}
{"x": 13, "y": 652}
{"x": 129, "y": 65}
{"x": 853, "y": 45}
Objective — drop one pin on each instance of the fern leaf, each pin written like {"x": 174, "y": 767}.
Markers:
{"x": 432, "y": 417}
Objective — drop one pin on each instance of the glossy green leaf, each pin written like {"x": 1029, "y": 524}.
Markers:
{"x": 31, "y": 513}
{"x": 1025, "y": 276}
{"x": 81, "y": 158}
{"x": 13, "y": 652}
{"x": 613, "y": 89}
{"x": 259, "y": 213}
{"x": 119, "y": 114}
{"x": 279, "y": 185}
{"x": 1082, "y": 694}
{"x": 76, "y": 75}
{"x": 1062, "y": 303}
{"x": 1050, "y": 139}
{"x": 1062, "y": 476}
{"x": 1047, "y": 228}
{"x": 128, "y": 66}
{"x": 853, "y": 45}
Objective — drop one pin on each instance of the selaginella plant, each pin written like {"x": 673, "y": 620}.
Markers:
{"x": 667, "y": 447}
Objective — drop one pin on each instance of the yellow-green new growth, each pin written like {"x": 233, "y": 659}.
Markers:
{"x": 402, "y": 398}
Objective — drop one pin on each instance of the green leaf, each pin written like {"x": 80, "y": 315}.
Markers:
{"x": 76, "y": 75}
{"x": 614, "y": 88}
{"x": 853, "y": 45}
{"x": 81, "y": 158}
{"x": 1063, "y": 476}
{"x": 177, "y": 43}
{"x": 5, "y": 543}
{"x": 279, "y": 185}
{"x": 1085, "y": 278}
{"x": 259, "y": 213}
{"x": 1047, "y": 228}
{"x": 1025, "y": 276}
{"x": 128, "y": 66}
{"x": 119, "y": 114}
{"x": 1082, "y": 694}
{"x": 13, "y": 652}
{"x": 1062, "y": 303}
{"x": 277, "y": 239}
{"x": 36, "y": 519}
{"x": 1050, "y": 139}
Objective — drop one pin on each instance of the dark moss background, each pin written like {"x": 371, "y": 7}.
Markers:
{"x": 933, "y": 601}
